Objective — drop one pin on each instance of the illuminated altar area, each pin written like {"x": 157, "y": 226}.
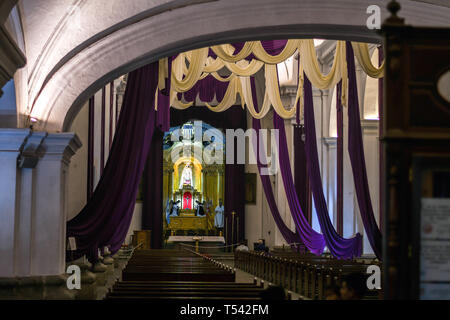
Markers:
{"x": 193, "y": 167}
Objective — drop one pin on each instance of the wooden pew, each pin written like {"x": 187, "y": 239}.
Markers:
{"x": 305, "y": 274}
{"x": 164, "y": 274}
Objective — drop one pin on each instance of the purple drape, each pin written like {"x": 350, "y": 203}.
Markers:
{"x": 106, "y": 218}
{"x": 305, "y": 234}
{"x": 206, "y": 89}
{"x": 301, "y": 180}
{"x": 313, "y": 240}
{"x": 152, "y": 184}
{"x": 357, "y": 159}
{"x": 153, "y": 191}
{"x": 235, "y": 184}
{"x": 340, "y": 159}
{"x": 339, "y": 247}
{"x": 272, "y": 47}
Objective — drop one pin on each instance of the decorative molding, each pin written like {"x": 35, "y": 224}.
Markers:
{"x": 12, "y": 140}
{"x": 29, "y": 155}
{"x": 60, "y": 146}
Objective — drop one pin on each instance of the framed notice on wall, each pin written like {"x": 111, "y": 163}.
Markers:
{"x": 432, "y": 197}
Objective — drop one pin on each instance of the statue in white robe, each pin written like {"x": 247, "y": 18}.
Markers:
{"x": 186, "y": 176}
{"x": 219, "y": 216}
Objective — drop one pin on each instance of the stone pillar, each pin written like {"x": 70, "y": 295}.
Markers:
{"x": 372, "y": 158}
{"x": 11, "y": 142}
{"x": 48, "y": 237}
{"x": 329, "y": 178}
{"x": 26, "y": 208}
{"x": 319, "y": 111}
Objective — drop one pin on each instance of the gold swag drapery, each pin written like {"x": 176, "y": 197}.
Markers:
{"x": 190, "y": 67}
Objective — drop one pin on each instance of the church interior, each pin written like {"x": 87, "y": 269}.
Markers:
{"x": 224, "y": 149}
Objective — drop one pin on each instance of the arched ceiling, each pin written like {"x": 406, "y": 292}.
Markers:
{"x": 74, "y": 47}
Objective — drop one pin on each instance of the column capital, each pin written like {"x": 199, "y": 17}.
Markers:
{"x": 33, "y": 142}
{"x": 29, "y": 156}
{"x": 12, "y": 140}
{"x": 60, "y": 146}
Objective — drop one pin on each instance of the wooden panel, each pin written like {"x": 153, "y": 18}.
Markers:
{"x": 142, "y": 237}
{"x": 416, "y": 124}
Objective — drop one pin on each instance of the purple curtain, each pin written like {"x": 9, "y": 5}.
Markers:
{"x": 206, "y": 89}
{"x": 152, "y": 189}
{"x": 339, "y": 247}
{"x": 340, "y": 159}
{"x": 152, "y": 179}
{"x": 272, "y": 47}
{"x": 235, "y": 184}
{"x": 301, "y": 180}
{"x": 357, "y": 159}
{"x": 305, "y": 234}
{"x": 106, "y": 218}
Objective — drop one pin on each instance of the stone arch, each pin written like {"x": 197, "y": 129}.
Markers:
{"x": 139, "y": 40}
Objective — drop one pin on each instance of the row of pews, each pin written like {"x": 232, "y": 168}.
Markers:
{"x": 305, "y": 274}
{"x": 178, "y": 275}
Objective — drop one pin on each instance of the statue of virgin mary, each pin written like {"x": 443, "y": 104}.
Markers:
{"x": 186, "y": 176}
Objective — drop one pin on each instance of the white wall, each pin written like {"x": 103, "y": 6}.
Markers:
{"x": 77, "y": 186}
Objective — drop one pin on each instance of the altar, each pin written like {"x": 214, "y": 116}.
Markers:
{"x": 193, "y": 182}
{"x": 197, "y": 243}
{"x": 187, "y": 222}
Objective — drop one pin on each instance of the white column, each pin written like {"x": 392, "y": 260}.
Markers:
{"x": 318, "y": 115}
{"x": 11, "y": 141}
{"x": 329, "y": 177}
{"x": 372, "y": 158}
{"x": 26, "y": 208}
{"x": 349, "y": 210}
{"x": 49, "y": 223}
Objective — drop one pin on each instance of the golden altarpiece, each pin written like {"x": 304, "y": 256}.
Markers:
{"x": 193, "y": 174}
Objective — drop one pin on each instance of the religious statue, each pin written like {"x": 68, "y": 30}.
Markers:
{"x": 169, "y": 207}
{"x": 175, "y": 209}
{"x": 186, "y": 176}
{"x": 200, "y": 208}
{"x": 172, "y": 209}
{"x": 219, "y": 217}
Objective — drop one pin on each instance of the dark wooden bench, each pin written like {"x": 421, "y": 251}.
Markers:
{"x": 163, "y": 274}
